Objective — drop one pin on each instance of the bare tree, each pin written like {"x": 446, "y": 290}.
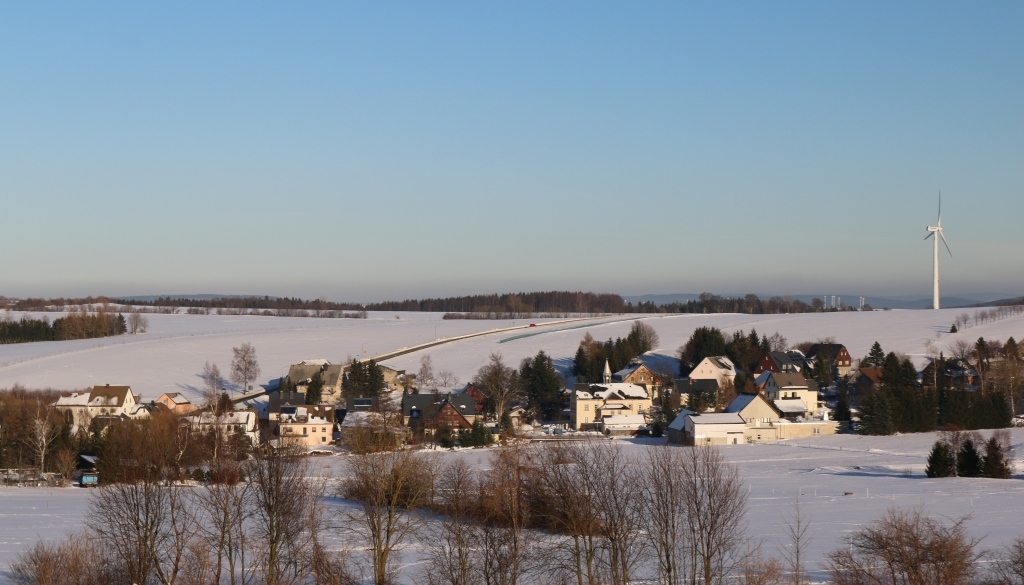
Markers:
{"x": 452, "y": 540}
{"x": 499, "y": 383}
{"x": 137, "y": 322}
{"x": 619, "y": 507}
{"x": 777, "y": 342}
{"x": 213, "y": 384}
{"x": 44, "y": 432}
{"x": 715, "y": 510}
{"x": 284, "y": 504}
{"x": 646, "y": 336}
{"x": 1009, "y": 568}
{"x": 224, "y": 504}
{"x": 389, "y": 487}
{"x": 666, "y": 514}
{"x": 906, "y": 547}
{"x": 502, "y": 534}
{"x": 244, "y": 366}
{"x": 425, "y": 377}
{"x": 447, "y": 379}
{"x": 796, "y": 531}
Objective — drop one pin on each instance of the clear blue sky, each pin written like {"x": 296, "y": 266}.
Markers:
{"x": 384, "y": 150}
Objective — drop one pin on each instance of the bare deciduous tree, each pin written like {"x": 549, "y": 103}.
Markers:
{"x": 715, "y": 511}
{"x": 213, "y": 384}
{"x": 1009, "y": 568}
{"x": 499, "y": 383}
{"x": 425, "y": 380}
{"x": 502, "y": 535}
{"x": 389, "y": 487}
{"x": 137, "y": 322}
{"x": 244, "y": 366}
{"x": 905, "y": 547}
{"x": 666, "y": 514}
{"x": 797, "y": 526}
{"x": 285, "y": 505}
{"x": 452, "y": 540}
{"x": 447, "y": 379}
{"x": 44, "y": 431}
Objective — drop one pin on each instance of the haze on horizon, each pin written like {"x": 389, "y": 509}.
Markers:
{"x": 391, "y": 151}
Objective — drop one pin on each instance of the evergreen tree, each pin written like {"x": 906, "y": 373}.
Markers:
{"x": 968, "y": 461}
{"x": 843, "y": 405}
{"x": 876, "y": 415}
{"x": 315, "y": 389}
{"x": 876, "y": 357}
{"x": 941, "y": 461}
{"x": 995, "y": 464}
{"x": 704, "y": 342}
{"x": 542, "y": 386}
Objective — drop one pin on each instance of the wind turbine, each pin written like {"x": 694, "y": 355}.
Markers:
{"x": 932, "y": 231}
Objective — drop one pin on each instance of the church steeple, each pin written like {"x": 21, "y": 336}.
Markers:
{"x": 607, "y": 378}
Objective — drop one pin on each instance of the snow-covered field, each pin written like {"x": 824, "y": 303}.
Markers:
{"x": 877, "y": 472}
{"x": 841, "y": 482}
{"x": 170, "y": 356}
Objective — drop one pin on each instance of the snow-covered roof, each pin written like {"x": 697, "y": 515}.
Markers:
{"x": 613, "y": 390}
{"x": 790, "y": 405}
{"x": 315, "y": 362}
{"x": 717, "y": 418}
{"x": 234, "y": 417}
{"x": 740, "y": 402}
{"x": 679, "y": 422}
{"x": 76, "y": 399}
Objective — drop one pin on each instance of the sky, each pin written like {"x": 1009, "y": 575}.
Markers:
{"x": 391, "y": 150}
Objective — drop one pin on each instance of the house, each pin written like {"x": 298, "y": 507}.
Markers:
{"x": 241, "y": 423}
{"x": 721, "y": 428}
{"x": 865, "y": 380}
{"x": 792, "y": 394}
{"x": 332, "y": 375}
{"x": 718, "y": 368}
{"x": 479, "y": 398}
{"x": 393, "y": 379}
{"x": 307, "y": 425}
{"x": 777, "y": 361}
{"x": 591, "y": 403}
{"x": 175, "y": 402}
{"x": 622, "y": 425}
{"x": 638, "y": 373}
{"x": 278, "y": 400}
{"x": 425, "y": 413}
{"x": 80, "y": 408}
{"x": 834, "y": 354}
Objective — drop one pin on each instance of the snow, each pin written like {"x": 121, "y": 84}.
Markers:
{"x": 841, "y": 482}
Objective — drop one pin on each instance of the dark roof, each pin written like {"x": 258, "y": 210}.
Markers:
{"x": 279, "y": 399}
{"x": 430, "y": 402}
{"x": 784, "y": 379}
{"x": 299, "y": 373}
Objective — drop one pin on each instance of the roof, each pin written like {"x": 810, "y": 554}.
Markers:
{"x": 740, "y": 402}
{"x": 234, "y": 417}
{"x": 628, "y": 370}
{"x": 176, "y": 397}
{"x": 422, "y": 402}
{"x": 722, "y": 363}
{"x": 794, "y": 380}
{"x": 791, "y": 405}
{"x": 717, "y": 418}
{"x": 301, "y": 372}
{"x": 782, "y": 360}
{"x": 872, "y": 373}
{"x": 613, "y": 391}
{"x": 108, "y": 395}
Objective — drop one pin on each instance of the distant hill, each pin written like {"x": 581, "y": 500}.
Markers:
{"x": 895, "y": 302}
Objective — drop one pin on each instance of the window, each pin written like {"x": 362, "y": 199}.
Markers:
{"x": 304, "y": 429}
{"x": 323, "y": 439}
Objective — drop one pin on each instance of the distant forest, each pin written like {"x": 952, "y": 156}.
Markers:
{"x": 76, "y": 325}
{"x": 493, "y": 306}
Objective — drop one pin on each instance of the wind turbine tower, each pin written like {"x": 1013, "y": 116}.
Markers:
{"x": 935, "y": 232}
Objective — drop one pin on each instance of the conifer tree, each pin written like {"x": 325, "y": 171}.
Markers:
{"x": 843, "y": 405}
{"x": 941, "y": 461}
{"x": 995, "y": 464}
{"x": 968, "y": 461}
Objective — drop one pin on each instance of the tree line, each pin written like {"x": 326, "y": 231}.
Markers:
{"x": 591, "y": 356}
{"x": 751, "y": 304}
{"x": 74, "y": 325}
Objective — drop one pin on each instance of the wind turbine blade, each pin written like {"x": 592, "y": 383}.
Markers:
{"x": 930, "y": 234}
{"x": 945, "y": 244}
{"x": 940, "y": 206}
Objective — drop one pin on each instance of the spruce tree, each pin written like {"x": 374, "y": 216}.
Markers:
{"x": 941, "y": 461}
{"x": 843, "y": 405}
{"x": 315, "y": 389}
{"x": 995, "y": 464}
{"x": 968, "y": 461}
{"x": 876, "y": 357}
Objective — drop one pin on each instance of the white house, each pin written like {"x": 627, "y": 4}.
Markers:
{"x": 237, "y": 422}
{"x": 81, "y": 407}
{"x": 718, "y": 368}
{"x": 690, "y": 428}
{"x": 590, "y": 404}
